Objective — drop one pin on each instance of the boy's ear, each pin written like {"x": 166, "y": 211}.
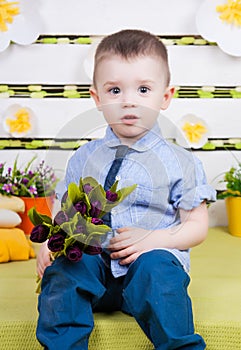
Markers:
{"x": 95, "y": 96}
{"x": 167, "y": 97}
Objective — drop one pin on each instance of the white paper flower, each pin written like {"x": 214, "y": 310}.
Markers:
{"x": 18, "y": 120}
{"x": 220, "y": 21}
{"x": 19, "y": 22}
{"x": 192, "y": 132}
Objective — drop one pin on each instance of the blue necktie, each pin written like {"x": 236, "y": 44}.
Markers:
{"x": 117, "y": 270}
{"x": 111, "y": 176}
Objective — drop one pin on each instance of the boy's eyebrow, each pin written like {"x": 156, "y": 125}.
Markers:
{"x": 111, "y": 83}
{"x": 146, "y": 81}
{"x": 116, "y": 82}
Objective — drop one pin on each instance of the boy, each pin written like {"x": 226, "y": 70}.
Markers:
{"x": 156, "y": 225}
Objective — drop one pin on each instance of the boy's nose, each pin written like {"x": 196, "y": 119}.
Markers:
{"x": 128, "y": 101}
{"x": 128, "y": 104}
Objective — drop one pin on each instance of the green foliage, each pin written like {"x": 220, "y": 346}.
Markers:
{"x": 232, "y": 178}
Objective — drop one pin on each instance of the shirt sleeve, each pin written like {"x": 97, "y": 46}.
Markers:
{"x": 192, "y": 189}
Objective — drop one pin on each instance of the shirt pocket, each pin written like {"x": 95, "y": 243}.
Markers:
{"x": 148, "y": 206}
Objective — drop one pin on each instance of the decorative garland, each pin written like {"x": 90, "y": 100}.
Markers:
{"x": 71, "y": 144}
{"x": 86, "y": 40}
{"x": 82, "y": 91}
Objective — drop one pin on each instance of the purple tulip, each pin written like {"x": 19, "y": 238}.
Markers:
{"x": 93, "y": 249}
{"x": 87, "y": 188}
{"x": 39, "y": 233}
{"x": 56, "y": 242}
{"x": 95, "y": 209}
{"x": 97, "y": 221}
{"x": 111, "y": 196}
{"x": 60, "y": 218}
{"x": 81, "y": 207}
{"x": 74, "y": 253}
{"x": 65, "y": 196}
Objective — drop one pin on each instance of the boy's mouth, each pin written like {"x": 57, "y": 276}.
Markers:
{"x": 129, "y": 119}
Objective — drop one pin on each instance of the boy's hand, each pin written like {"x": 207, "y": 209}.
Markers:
{"x": 129, "y": 244}
{"x": 132, "y": 242}
{"x": 43, "y": 259}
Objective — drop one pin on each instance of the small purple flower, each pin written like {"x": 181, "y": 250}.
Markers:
{"x": 95, "y": 209}
{"x": 30, "y": 174}
{"x": 56, "y": 242}
{"x": 74, "y": 253}
{"x": 7, "y": 188}
{"x": 97, "y": 221}
{"x": 111, "y": 196}
{"x": 87, "y": 188}
{"x": 60, "y": 218}
{"x": 25, "y": 180}
{"x": 81, "y": 207}
{"x": 39, "y": 233}
{"x": 33, "y": 190}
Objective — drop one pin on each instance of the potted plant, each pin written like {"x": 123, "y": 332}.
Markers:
{"x": 232, "y": 196}
{"x": 34, "y": 185}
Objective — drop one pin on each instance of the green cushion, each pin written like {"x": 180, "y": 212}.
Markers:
{"x": 215, "y": 290}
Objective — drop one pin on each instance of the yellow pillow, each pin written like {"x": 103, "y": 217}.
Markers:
{"x": 12, "y": 203}
{"x": 9, "y": 218}
{"x": 14, "y": 245}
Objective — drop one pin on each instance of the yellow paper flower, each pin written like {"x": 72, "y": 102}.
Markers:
{"x": 191, "y": 132}
{"x": 230, "y": 12}
{"x": 18, "y": 121}
{"x": 7, "y": 12}
{"x": 194, "y": 132}
{"x": 220, "y": 21}
{"x": 19, "y": 22}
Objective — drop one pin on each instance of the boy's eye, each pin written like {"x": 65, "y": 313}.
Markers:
{"x": 143, "y": 89}
{"x": 115, "y": 90}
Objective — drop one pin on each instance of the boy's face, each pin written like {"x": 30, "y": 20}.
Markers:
{"x": 131, "y": 93}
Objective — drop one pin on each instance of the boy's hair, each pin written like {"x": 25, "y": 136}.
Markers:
{"x": 131, "y": 43}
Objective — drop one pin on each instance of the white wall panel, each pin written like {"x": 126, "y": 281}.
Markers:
{"x": 60, "y": 64}
{"x": 223, "y": 116}
{"x": 56, "y": 64}
{"x": 107, "y": 16}
{"x": 65, "y": 118}
{"x": 54, "y": 115}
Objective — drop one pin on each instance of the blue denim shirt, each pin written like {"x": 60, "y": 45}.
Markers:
{"x": 168, "y": 178}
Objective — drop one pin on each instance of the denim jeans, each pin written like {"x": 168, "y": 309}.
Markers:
{"x": 154, "y": 292}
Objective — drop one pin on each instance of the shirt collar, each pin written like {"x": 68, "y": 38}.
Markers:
{"x": 144, "y": 144}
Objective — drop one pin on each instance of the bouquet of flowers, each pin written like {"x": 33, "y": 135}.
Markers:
{"x": 78, "y": 227}
{"x": 27, "y": 182}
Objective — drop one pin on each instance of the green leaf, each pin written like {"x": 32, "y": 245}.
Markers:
{"x": 94, "y": 236}
{"x": 38, "y": 219}
{"x": 74, "y": 193}
{"x": 88, "y": 180}
{"x": 100, "y": 229}
{"x": 114, "y": 187}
